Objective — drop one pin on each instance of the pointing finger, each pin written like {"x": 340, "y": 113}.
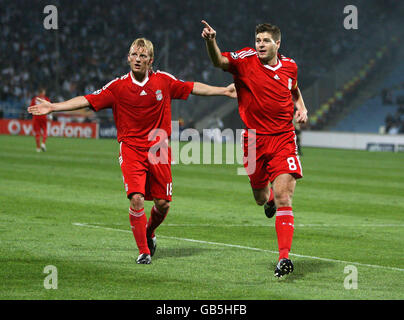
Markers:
{"x": 206, "y": 24}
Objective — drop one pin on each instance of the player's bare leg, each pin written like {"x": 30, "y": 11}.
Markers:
{"x": 138, "y": 222}
{"x": 44, "y": 136}
{"x": 137, "y": 201}
{"x": 284, "y": 187}
{"x": 38, "y": 141}
{"x": 265, "y": 197}
{"x": 157, "y": 216}
{"x": 261, "y": 196}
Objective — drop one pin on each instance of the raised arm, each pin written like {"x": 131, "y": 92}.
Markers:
{"x": 45, "y": 107}
{"x": 301, "y": 112}
{"x": 215, "y": 55}
{"x": 202, "y": 89}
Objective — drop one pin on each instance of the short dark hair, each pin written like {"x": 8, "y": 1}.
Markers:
{"x": 267, "y": 27}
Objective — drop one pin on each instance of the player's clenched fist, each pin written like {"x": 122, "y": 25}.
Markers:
{"x": 208, "y": 32}
{"x": 301, "y": 116}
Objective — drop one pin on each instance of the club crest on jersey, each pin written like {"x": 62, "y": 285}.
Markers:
{"x": 159, "y": 95}
{"x": 234, "y": 55}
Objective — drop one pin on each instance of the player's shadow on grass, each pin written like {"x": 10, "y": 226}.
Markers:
{"x": 303, "y": 267}
{"x": 162, "y": 253}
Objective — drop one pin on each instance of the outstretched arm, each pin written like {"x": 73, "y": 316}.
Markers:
{"x": 202, "y": 89}
{"x": 215, "y": 55}
{"x": 45, "y": 107}
{"x": 301, "y": 112}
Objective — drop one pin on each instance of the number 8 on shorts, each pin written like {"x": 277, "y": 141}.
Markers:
{"x": 292, "y": 163}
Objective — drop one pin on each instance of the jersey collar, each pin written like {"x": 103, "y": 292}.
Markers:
{"x": 141, "y": 84}
{"x": 275, "y": 67}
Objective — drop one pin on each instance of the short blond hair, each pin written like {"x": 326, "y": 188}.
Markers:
{"x": 143, "y": 43}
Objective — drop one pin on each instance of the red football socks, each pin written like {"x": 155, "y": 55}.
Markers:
{"x": 138, "y": 222}
{"x": 38, "y": 141}
{"x": 156, "y": 218}
{"x": 284, "y": 230}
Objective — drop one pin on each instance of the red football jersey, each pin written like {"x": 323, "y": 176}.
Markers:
{"x": 35, "y": 101}
{"x": 139, "y": 108}
{"x": 264, "y": 92}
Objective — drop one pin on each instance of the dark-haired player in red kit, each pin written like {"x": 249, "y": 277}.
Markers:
{"x": 141, "y": 104}
{"x": 40, "y": 122}
{"x": 266, "y": 85}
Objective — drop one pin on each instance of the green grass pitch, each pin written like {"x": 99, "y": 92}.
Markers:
{"x": 67, "y": 208}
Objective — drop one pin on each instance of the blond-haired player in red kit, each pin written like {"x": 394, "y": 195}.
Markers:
{"x": 40, "y": 122}
{"x": 141, "y": 104}
{"x": 267, "y": 91}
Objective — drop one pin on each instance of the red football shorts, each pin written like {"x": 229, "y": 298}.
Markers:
{"x": 146, "y": 172}
{"x": 274, "y": 155}
{"x": 40, "y": 123}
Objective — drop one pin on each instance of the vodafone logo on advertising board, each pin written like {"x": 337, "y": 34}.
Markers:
{"x": 55, "y": 129}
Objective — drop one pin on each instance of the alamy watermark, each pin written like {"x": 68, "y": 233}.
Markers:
{"x": 351, "y": 20}
{"x": 351, "y": 280}
{"x": 51, "y": 20}
{"x": 189, "y": 146}
{"x": 51, "y": 280}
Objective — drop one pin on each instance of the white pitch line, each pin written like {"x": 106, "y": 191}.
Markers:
{"x": 309, "y": 225}
{"x": 297, "y": 225}
{"x": 245, "y": 247}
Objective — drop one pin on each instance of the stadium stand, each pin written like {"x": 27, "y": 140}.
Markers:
{"x": 367, "y": 118}
{"x": 382, "y": 113}
{"x": 89, "y": 48}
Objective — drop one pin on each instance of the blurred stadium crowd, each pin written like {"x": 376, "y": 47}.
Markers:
{"x": 93, "y": 37}
{"x": 394, "y": 122}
